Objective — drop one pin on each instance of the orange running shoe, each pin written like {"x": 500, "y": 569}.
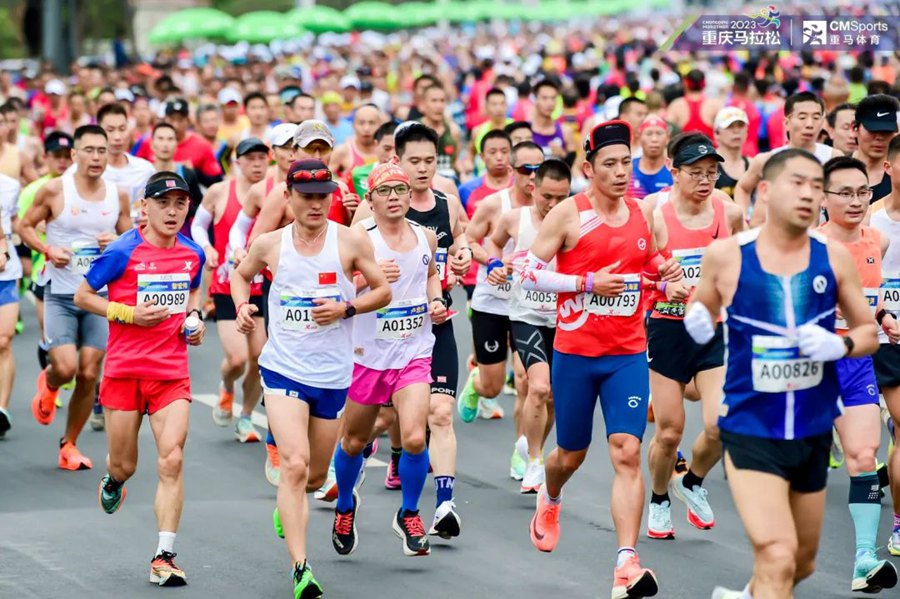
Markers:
{"x": 273, "y": 465}
{"x": 633, "y": 581}
{"x": 165, "y": 573}
{"x": 72, "y": 459}
{"x": 651, "y": 418}
{"x": 43, "y": 405}
{"x": 544, "y": 527}
{"x": 222, "y": 414}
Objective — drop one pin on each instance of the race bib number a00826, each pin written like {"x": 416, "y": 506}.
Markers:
{"x": 168, "y": 290}
{"x": 83, "y": 256}
{"x": 778, "y": 367}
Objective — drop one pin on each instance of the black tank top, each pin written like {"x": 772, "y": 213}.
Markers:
{"x": 438, "y": 220}
{"x": 881, "y": 189}
{"x": 726, "y": 182}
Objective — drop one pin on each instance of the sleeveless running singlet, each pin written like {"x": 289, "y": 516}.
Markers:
{"x": 447, "y": 151}
{"x": 536, "y": 308}
{"x": 494, "y": 299}
{"x": 221, "y": 279}
{"x": 866, "y": 254}
{"x": 771, "y": 390}
{"x": 643, "y": 184}
{"x": 890, "y": 263}
{"x": 726, "y": 182}
{"x": 438, "y": 220}
{"x": 695, "y": 122}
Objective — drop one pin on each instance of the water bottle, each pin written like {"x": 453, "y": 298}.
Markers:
{"x": 191, "y": 325}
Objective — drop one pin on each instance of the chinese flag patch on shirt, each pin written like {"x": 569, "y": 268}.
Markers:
{"x": 327, "y": 278}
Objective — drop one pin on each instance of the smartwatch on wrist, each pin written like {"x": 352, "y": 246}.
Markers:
{"x": 439, "y": 299}
{"x": 849, "y": 344}
{"x": 349, "y": 310}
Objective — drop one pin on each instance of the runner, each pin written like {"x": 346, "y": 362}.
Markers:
{"x": 600, "y": 345}
{"x": 495, "y": 109}
{"x": 360, "y": 148}
{"x": 839, "y": 126}
{"x": 519, "y": 131}
{"x": 434, "y": 106}
{"x": 532, "y": 316}
{"x": 358, "y": 180}
{"x": 256, "y": 108}
{"x": 684, "y": 226}
{"x": 220, "y": 207}
{"x": 82, "y": 213}
{"x": 128, "y": 172}
{"x": 13, "y": 162}
{"x": 875, "y": 123}
{"x": 649, "y": 172}
{"x": 780, "y": 284}
{"x": 547, "y": 132}
{"x": 10, "y": 273}
{"x": 731, "y": 136}
{"x": 847, "y": 195}
{"x": 164, "y": 143}
{"x": 149, "y": 334}
{"x": 694, "y": 112}
{"x": 311, "y": 304}
{"x": 392, "y": 360}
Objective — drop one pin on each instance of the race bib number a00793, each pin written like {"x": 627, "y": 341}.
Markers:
{"x": 624, "y": 304}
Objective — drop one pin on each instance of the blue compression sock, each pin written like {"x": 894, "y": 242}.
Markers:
{"x": 865, "y": 510}
{"x": 270, "y": 440}
{"x": 413, "y": 472}
{"x": 443, "y": 488}
{"x": 346, "y": 470}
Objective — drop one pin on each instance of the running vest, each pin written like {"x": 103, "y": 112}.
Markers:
{"x": 822, "y": 152}
{"x": 10, "y": 161}
{"x": 392, "y": 337}
{"x": 881, "y": 189}
{"x": 643, "y": 184}
{"x": 437, "y": 218}
{"x": 447, "y": 150}
{"x": 359, "y": 159}
{"x": 9, "y": 209}
{"x": 866, "y": 253}
{"x": 545, "y": 141}
{"x": 297, "y": 347}
{"x": 537, "y": 308}
{"x": 687, "y": 246}
{"x": 772, "y": 391}
{"x": 221, "y": 279}
{"x": 494, "y": 299}
{"x": 890, "y": 263}
{"x": 592, "y": 325}
{"x": 695, "y": 122}
{"x": 726, "y": 182}
{"x": 76, "y": 228}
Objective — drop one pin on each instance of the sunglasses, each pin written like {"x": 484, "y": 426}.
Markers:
{"x": 527, "y": 169}
{"x": 319, "y": 174}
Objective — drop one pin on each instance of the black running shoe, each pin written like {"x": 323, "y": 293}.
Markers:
{"x": 343, "y": 531}
{"x": 409, "y": 527}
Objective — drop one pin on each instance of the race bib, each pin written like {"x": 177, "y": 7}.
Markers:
{"x": 83, "y": 256}
{"x": 891, "y": 289}
{"x": 624, "y": 304}
{"x": 778, "y": 366}
{"x": 539, "y": 301}
{"x": 401, "y": 320}
{"x": 170, "y": 291}
{"x": 502, "y": 291}
{"x": 871, "y": 294}
{"x": 690, "y": 265}
{"x": 440, "y": 263}
{"x": 296, "y": 309}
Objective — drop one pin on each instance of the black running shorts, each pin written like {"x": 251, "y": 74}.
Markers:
{"x": 534, "y": 344}
{"x": 887, "y": 365}
{"x": 225, "y": 308}
{"x": 444, "y": 360}
{"x": 491, "y": 335}
{"x": 672, "y": 353}
{"x": 801, "y": 462}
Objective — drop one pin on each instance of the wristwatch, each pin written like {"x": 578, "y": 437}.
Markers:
{"x": 439, "y": 299}
{"x": 849, "y": 344}
{"x": 349, "y": 310}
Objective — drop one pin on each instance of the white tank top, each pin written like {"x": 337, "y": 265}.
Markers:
{"x": 822, "y": 152}
{"x": 298, "y": 348}
{"x": 76, "y": 228}
{"x": 392, "y": 337}
{"x": 9, "y": 209}
{"x": 534, "y": 307}
{"x": 494, "y": 299}
{"x": 890, "y": 264}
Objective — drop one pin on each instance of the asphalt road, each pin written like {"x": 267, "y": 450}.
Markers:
{"x": 56, "y": 542}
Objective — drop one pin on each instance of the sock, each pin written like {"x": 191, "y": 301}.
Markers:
{"x": 884, "y": 479}
{"x": 551, "y": 500}
{"x": 112, "y": 484}
{"x": 166, "y": 542}
{"x": 865, "y": 510}
{"x": 395, "y": 455}
{"x": 346, "y": 470}
{"x": 522, "y": 446}
{"x": 660, "y": 499}
{"x": 43, "y": 358}
{"x": 624, "y": 555}
{"x": 270, "y": 440}
{"x": 443, "y": 488}
{"x": 691, "y": 480}
{"x": 413, "y": 472}
{"x": 896, "y": 522}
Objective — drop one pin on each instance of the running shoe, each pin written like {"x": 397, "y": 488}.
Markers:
{"x": 894, "y": 543}
{"x": 446, "y": 523}
{"x": 273, "y": 465}
{"x": 244, "y": 431}
{"x": 392, "y": 478}
{"x": 699, "y": 514}
{"x": 544, "y": 528}
{"x": 328, "y": 492}
{"x": 5, "y": 422}
{"x": 98, "y": 418}
{"x": 632, "y": 581}
{"x": 836, "y": 457}
{"x": 518, "y": 462}
{"x": 305, "y": 584}
{"x": 723, "y": 593}
{"x": 370, "y": 449}
{"x": 276, "y": 523}
{"x": 533, "y": 479}
{"x": 659, "y": 522}
{"x": 681, "y": 465}
{"x": 650, "y": 416}
{"x": 343, "y": 530}
{"x": 222, "y": 413}
{"x": 467, "y": 402}
{"x": 110, "y": 495}
{"x": 165, "y": 573}
{"x": 72, "y": 459}
{"x": 489, "y": 409}
{"x": 871, "y": 575}
{"x": 509, "y": 388}
{"x": 43, "y": 404}
{"x": 409, "y": 527}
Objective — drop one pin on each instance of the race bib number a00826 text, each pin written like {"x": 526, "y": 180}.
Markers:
{"x": 778, "y": 366}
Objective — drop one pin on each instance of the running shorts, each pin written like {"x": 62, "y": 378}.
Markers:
{"x": 672, "y": 353}
{"x": 37, "y": 290}
{"x": 622, "y": 385}
{"x": 887, "y": 365}
{"x": 323, "y": 403}
{"x": 9, "y": 292}
{"x": 534, "y": 344}
{"x": 225, "y": 308}
{"x": 67, "y": 324}
{"x": 142, "y": 395}
{"x": 372, "y": 387}
{"x": 491, "y": 335}
{"x": 803, "y": 463}
{"x": 444, "y": 360}
{"x": 856, "y": 377}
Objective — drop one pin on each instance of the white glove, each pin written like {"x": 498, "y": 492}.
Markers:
{"x": 819, "y": 344}
{"x": 699, "y": 324}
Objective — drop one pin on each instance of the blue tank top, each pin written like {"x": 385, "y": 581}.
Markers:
{"x": 643, "y": 184}
{"x": 772, "y": 391}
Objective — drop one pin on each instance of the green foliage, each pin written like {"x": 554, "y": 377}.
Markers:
{"x": 10, "y": 44}
{"x": 239, "y": 7}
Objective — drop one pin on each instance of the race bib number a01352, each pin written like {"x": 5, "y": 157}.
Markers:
{"x": 403, "y": 319}
{"x": 168, "y": 290}
{"x": 891, "y": 289}
{"x": 624, "y": 304}
{"x": 296, "y": 309}
{"x": 778, "y": 366}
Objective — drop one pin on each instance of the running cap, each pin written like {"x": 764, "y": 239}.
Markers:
{"x": 282, "y": 134}
{"x": 58, "y": 140}
{"x": 878, "y": 113}
{"x": 653, "y": 120}
{"x": 311, "y": 130}
{"x": 388, "y": 171}
{"x": 350, "y": 81}
{"x": 251, "y": 144}
{"x": 163, "y": 182}
{"x": 691, "y": 153}
{"x": 228, "y": 95}
{"x": 123, "y": 94}
{"x": 331, "y": 98}
{"x": 176, "y": 106}
{"x": 55, "y": 87}
{"x": 311, "y": 176}
{"x": 607, "y": 134}
{"x": 728, "y": 116}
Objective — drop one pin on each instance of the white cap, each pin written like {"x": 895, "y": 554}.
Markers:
{"x": 124, "y": 94}
{"x": 350, "y": 81}
{"x": 282, "y": 134}
{"x": 228, "y": 95}
{"x": 55, "y": 87}
{"x": 728, "y": 116}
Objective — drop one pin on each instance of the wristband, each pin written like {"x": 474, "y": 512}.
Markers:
{"x": 439, "y": 299}
{"x": 494, "y": 264}
{"x": 198, "y": 311}
{"x": 879, "y": 316}
{"x": 662, "y": 286}
{"x": 117, "y": 312}
{"x": 471, "y": 251}
{"x": 589, "y": 282}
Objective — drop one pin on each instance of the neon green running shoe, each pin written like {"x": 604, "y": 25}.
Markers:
{"x": 305, "y": 584}
{"x": 836, "y": 457}
{"x": 276, "y": 523}
{"x": 467, "y": 402}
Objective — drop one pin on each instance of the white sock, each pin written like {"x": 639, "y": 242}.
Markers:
{"x": 166, "y": 542}
{"x": 624, "y": 555}
{"x": 551, "y": 500}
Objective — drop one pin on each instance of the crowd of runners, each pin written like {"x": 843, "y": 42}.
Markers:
{"x": 665, "y": 230}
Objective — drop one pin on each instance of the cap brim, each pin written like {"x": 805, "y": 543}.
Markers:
{"x": 254, "y": 148}
{"x": 729, "y": 123}
{"x": 315, "y": 187}
{"x": 302, "y": 143}
{"x": 163, "y": 192}
{"x": 880, "y": 126}
{"x": 692, "y": 160}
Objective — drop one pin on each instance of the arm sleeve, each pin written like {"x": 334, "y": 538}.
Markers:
{"x": 237, "y": 236}
{"x": 200, "y": 227}
{"x": 536, "y": 276}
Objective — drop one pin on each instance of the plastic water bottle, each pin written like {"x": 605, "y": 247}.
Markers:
{"x": 191, "y": 325}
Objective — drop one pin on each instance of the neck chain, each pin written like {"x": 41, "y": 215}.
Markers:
{"x": 314, "y": 239}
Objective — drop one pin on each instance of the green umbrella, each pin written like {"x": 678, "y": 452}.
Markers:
{"x": 375, "y": 15}
{"x": 262, "y": 26}
{"x": 421, "y": 13}
{"x": 320, "y": 19}
{"x": 191, "y": 23}
{"x": 464, "y": 12}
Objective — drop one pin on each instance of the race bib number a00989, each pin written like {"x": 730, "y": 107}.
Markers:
{"x": 297, "y": 307}
{"x": 624, "y": 304}
{"x": 778, "y": 366}
{"x": 168, "y": 290}
{"x": 403, "y": 319}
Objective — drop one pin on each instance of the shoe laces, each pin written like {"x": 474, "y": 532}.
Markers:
{"x": 343, "y": 523}
{"x": 550, "y": 513}
{"x": 167, "y": 557}
{"x": 274, "y": 456}
{"x": 413, "y": 525}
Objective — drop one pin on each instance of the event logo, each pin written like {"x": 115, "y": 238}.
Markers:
{"x": 767, "y": 17}
{"x": 815, "y": 33}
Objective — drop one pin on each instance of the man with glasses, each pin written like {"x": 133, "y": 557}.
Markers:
{"x": 83, "y": 213}
{"x": 847, "y": 196}
{"x": 875, "y": 124}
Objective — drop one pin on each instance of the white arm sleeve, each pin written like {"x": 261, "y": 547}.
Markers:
{"x": 537, "y": 277}
{"x": 200, "y": 227}
{"x": 237, "y": 237}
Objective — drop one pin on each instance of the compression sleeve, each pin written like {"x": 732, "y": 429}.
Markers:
{"x": 536, "y": 276}
{"x": 200, "y": 227}
{"x": 237, "y": 237}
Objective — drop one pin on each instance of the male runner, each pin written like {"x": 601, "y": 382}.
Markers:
{"x": 548, "y": 133}
{"x": 164, "y": 143}
{"x": 221, "y": 206}
{"x": 306, "y": 364}
{"x": 600, "y": 345}
{"x": 392, "y": 360}
{"x": 847, "y": 195}
{"x": 532, "y": 314}
{"x": 146, "y": 368}
{"x": 780, "y": 284}
{"x": 83, "y": 213}
{"x": 731, "y": 135}
{"x": 839, "y": 126}
{"x": 434, "y": 115}
{"x": 494, "y": 152}
{"x": 128, "y": 172}
{"x": 684, "y": 226}
{"x": 495, "y": 109}
{"x": 694, "y": 112}
{"x": 649, "y": 170}
{"x": 384, "y": 149}
{"x": 359, "y": 149}
{"x": 13, "y": 161}
{"x": 519, "y": 131}
{"x": 10, "y": 273}
{"x": 256, "y": 108}
{"x": 875, "y": 123}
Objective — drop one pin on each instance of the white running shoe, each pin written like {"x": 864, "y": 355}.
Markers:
{"x": 659, "y": 522}
{"x": 489, "y": 409}
{"x": 446, "y": 523}
{"x": 534, "y": 477}
{"x": 699, "y": 514}
{"x": 244, "y": 431}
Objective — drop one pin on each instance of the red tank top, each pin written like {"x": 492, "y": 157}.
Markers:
{"x": 688, "y": 247}
{"x": 590, "y": 325}
{"x": 256, "y": 288}
{"x": 695, "y": 121}
{"x": 221, "y": 280}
